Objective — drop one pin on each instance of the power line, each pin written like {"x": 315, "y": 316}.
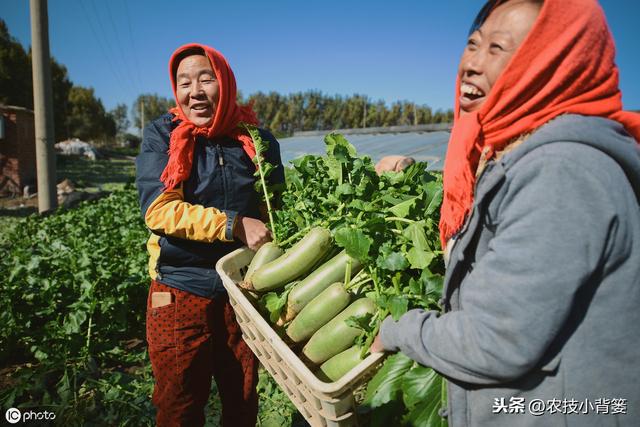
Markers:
{"x": 106, "y": 39}
{"x": 133, "y": 45}
{"x": 121, "y": 48}
{"x": 102, "y": 48}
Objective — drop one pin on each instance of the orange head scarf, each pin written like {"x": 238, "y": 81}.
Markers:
{"x": 226, "y": 121}
{"x": 565, "y": 65}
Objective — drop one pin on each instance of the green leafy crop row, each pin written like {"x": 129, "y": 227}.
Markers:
{"x": 72, "y": 305}
{"x": 74, "y": 281}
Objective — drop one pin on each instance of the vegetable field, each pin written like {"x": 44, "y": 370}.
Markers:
{"x": 72, "y": 303}
{"x": 75, "y": 286}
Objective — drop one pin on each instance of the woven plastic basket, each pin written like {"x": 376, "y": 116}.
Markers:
{"x": 321, "y": 404}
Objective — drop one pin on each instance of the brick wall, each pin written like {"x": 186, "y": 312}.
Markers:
{"x": 17, "y": 150}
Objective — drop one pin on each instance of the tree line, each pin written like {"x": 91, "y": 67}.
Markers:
{"x": 78, "y": 113}
{"x": 313, "y": 110}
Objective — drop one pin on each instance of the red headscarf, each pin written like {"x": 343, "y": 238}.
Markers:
{"x": 565, "y": 65}
{"x": 227, "y": 118}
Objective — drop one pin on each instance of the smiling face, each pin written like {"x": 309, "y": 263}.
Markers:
{"x": 490, "y": 48}
{"x": 197, "y": 89}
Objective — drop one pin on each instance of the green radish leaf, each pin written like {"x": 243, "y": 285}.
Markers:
{"x": 398, "y": 305}
{"x": 402, "y": 209}
{"x": 267, "y": 168}
{"x": 16, "y": 272}
{"x": 274, "y": 304}
{"x": 417, "y": 173}
{"x": 41, "y": 355}
{"x": 395, "y": 261}
{"x": 436, "y": 199}
{"x": 392, "y": 199}
{"x": 419, "y": 259}
{"x": 260, "y": 145}
{"x": 388, "y": 414}
{"x": 295, "y": 181}
{"x": 357, "y": 204}
{"x": 64, "y": 388}
{"x": 361, "y": 322}
{"x": 415, "y": 286}
{"x": 416, "y": 234}
{"x": 393, "y": 177}
{"x": 422, "y": 393}
{"x": 355, "y": 242}
{"x": 339, "y": 151}
{"x": 345, "y": 189}
{"x": 341, "y": 154}
{"x": 433, "y": 283}
{"x": 417, "y": 385}
{"x": 431, "y": 189}
{"x": 386, "y": 385}
{"x": 334, "y": 170}
{"x": 300, "y": 163}
{"x": 73, "y": 322}
{"x": 336, "y": 141}
{"x": 264, "y": 169}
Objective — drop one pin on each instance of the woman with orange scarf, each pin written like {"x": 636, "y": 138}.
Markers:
{"x": 541, "y": 221}
{"x": 195, "y": 178}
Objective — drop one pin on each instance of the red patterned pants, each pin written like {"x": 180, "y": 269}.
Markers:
{"x": 191, "y": 340}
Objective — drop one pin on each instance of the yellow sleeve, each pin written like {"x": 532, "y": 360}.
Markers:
{"x": 170, "y": 215}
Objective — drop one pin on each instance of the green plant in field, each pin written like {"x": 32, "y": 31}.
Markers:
{"x": 276, "y": 410}
{"x": 263, "y": 171}
{"x": 74, "y": 281}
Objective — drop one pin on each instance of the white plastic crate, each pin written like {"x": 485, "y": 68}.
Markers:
{"x": 322, "y": 404}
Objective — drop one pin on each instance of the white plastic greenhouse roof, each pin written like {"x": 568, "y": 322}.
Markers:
{"x": 422, "y": 146}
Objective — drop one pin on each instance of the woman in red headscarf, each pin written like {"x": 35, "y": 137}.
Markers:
{"x": 541, "y": 219}
{"x": 195, "y": 178}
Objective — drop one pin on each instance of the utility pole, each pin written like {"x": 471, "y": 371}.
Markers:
{"x": 141, "y": 116}
{"x": 364, "y": 115}
{"x": 415, "y": 115}
{"x": 43, "y": 106}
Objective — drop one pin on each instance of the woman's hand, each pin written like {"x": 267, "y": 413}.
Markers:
{"x": 393, "y": 164}
{"x": 252, "y": 232}
{"x": 376, "y": 345}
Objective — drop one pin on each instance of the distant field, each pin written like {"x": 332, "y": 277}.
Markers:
{"x": 108, "y": 174}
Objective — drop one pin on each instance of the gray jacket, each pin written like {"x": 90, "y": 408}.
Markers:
{"x": 542, "y": 292}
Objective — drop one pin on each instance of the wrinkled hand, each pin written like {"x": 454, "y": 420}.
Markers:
{"x": 376, "y": 345}
{"x": 393, "y": 164}
{"x": 252, "y": 232}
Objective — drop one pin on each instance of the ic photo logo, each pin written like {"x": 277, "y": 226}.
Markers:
{"x": 13, "y": 415}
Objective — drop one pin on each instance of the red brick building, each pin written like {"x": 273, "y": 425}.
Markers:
{"x": 17, "y": 150}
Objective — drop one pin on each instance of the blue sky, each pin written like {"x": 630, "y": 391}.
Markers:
{"x": 401, "y": 50}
